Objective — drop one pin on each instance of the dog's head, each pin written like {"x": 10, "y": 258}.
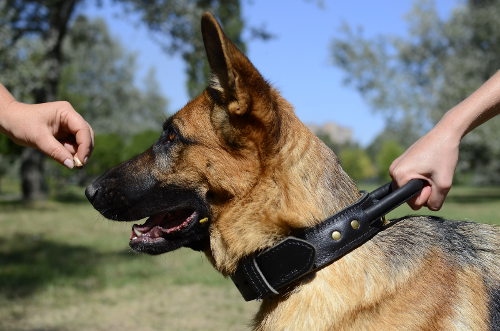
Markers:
{"x": 232, "y": 172}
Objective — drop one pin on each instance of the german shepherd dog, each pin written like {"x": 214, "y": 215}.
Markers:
{"x": 235, "y": 171}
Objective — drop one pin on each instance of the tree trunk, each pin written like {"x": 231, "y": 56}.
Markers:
{"x": 33, "y": 182}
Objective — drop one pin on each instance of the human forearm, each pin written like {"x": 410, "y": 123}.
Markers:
{"x": 476, "y": 109}
{"x": 435, "y": 155}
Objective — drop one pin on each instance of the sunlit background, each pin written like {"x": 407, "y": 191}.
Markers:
{"x": 368, "y": 77}
{"x": 297, "y": 59}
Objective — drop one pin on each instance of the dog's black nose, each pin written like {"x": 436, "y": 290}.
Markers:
{"x": 91, "y": 192}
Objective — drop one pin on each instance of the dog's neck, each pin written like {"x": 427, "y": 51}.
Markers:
{"x": 326, "y": 189}
{"x": 315, "y": 175}
{"x": 333, "y": 189}
{"x": 300, "y": 186}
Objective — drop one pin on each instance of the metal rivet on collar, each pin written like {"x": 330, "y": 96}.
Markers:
{"x": 355, "y": 224}
{"x": 336, "y": 235}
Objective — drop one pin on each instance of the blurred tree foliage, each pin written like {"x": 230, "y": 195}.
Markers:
{"x": 389, "y": 151}
{"x": 107, "y": 153}
{"x": 175, "y": 24}
{"x": 334, "y": 146}
{"x": 8, "y": 152}
{"x": 414, "y": 80}
{"x": 357, "y": 163}
{"x": 389, "y": 144}
{"x": 98, "y": 79}
{"x": 96, "y": 76}
{"x": 111, "y": 149}
{"x": 49, "y": 52}
{"x": 139, "y": 142}
{"x": 32, "y": 33}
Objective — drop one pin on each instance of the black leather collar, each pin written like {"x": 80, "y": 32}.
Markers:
{"x": 276, "y": 269}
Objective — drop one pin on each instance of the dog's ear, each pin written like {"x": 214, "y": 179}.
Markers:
{"x": 236, "y": 82}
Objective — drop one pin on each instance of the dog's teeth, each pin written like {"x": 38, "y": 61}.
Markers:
{"x": 137, "y": 232}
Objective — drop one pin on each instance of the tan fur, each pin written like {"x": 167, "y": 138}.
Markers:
{"x": 263, "y": 199}
{"x": 280, "y": 177}
{"x": 358, "y": 293}
{"x": 296, "y": 182}
{"x": 263, "y": 174}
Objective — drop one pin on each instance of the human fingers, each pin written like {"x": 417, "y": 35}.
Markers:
{"x": 398, "y": 173}
{"x": 439, "y": 192}
{"x": 93, "y": 138}
{"x": 85, "y": 144}
{"x": 420, "y": 199}
{"x": 82, "y": 132}
{"x": 401, "y": 174}
{"x": 53, "y": 148}
{"x": 70, "y": 147}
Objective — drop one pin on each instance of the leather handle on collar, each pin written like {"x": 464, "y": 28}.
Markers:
{"x": 390, "y": 199}
{"x": 275, "y": 269}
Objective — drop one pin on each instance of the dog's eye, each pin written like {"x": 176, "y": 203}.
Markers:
{"x": 171, "y": 136}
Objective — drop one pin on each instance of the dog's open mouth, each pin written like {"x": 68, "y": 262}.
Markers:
{"x": 166, "y": 231}
{"x": 162, "y": 224}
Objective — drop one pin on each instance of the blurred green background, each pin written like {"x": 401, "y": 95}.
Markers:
{"x": 64, "y": 267}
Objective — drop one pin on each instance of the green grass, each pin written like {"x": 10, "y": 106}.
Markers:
{"x": 64, "y": 267}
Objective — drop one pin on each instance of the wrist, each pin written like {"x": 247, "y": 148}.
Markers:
{"x": 456, "y": 123}
{"x": 5, "y": 98}
{"x": 5, "y": 122}
{"x": 448, "y": 131}
{"x": 6, "y": 101}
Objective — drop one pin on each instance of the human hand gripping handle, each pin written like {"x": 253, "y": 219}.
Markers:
{"x": 390, "y": 198}
{"x": 435, "y": 155}
{"x": 432, "y": 158}
{"x": 55, "y": 128}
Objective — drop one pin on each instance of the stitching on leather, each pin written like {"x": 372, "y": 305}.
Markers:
{"x": 325, "y": 256}
{"x": 251, "y": 273}
{"x": 354, "y": 210}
